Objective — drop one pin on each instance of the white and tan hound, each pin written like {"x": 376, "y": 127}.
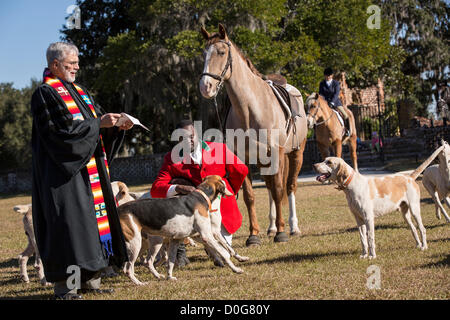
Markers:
{"x": 436, "y": 180}
{"x": 31, "y": 248}
{"x": 369, "y": 198}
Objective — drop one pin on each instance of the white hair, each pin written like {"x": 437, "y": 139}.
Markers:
{"x": 58, "y": 50}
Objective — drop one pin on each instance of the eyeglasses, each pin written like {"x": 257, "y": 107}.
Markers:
{"x": 72, "y": 63}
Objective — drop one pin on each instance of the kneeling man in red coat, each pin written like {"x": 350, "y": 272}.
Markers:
{"x": 205, "y": 158}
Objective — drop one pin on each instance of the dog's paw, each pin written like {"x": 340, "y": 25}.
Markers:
{"x": 136, "y": 281}
{"x": 422, "y": 247}
{"x": 238, "y": 270}
{"x": 45, "y": 283}
{"x": 363, "y": 256}
{"x": 170, "y": 278}
{"x": 371, "y": 257}
{"x": 241, "y": 258}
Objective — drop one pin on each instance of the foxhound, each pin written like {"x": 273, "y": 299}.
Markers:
{"x": 436, "y": 180}
{"x": 174, "y": 218}
{"x": 369, "y": 198}
{"x": 31, "y": 248}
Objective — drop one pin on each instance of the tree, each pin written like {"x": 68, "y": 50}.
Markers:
{"x": 345, "y": 43}
{"x": 15, "y": 126}
{"x": 163, "y": 57}
{"x": 148, "y": 64}
{"x": 420, "y": 28}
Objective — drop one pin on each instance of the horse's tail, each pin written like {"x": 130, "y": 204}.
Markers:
{"x": 425, "y": 164}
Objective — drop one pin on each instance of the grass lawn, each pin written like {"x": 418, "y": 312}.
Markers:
{"x": 323, "y": 263}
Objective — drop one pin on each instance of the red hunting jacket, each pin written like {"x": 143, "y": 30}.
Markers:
{"x": 233, "y": 172}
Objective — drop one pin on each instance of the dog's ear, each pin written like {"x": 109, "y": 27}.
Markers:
{"x": 342, "y": 172}
{"x": 222, "y": 187}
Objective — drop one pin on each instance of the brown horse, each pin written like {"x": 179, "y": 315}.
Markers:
{"x": 329, "y": 130}
{"x": 255, "y": 107}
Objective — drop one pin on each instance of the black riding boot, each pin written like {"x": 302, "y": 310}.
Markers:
{"x": 347, "y": 127}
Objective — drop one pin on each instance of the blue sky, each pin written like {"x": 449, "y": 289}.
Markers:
{"x": 26, "y": 29}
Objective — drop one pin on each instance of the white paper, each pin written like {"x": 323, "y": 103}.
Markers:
{"x": 124, "y": 117}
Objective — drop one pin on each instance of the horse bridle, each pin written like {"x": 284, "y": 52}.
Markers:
{"x": 315, "y": 113}
{"x": 220, "y": 78}
{"x": 227, "y": 65}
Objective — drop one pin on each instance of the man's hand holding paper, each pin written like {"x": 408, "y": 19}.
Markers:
{"x": 126, "y": 122}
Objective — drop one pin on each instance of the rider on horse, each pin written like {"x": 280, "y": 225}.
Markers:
{"x": 329, "y": 89}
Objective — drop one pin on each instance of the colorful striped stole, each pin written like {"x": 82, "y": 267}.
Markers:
{"x": 94, "y": 179}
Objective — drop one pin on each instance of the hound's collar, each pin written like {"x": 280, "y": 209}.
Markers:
{"x": 347, "y": 181}
{"x": 204, "y": 196}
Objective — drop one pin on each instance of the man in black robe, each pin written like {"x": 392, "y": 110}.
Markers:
{"x": 64, "y": 219}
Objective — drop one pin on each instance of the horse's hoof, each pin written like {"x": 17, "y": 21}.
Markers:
{"x": 252, "y": 241}
{"x": 271, "y": 233}
{"x": 281, "y": 237}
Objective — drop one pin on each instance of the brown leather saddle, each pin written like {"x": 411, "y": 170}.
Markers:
{"x": 347, "y": 130}
{"x": 279, "y": 83}
{"x": 285, "y": 99}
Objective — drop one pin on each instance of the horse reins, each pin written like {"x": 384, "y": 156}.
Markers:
{"x": 220, "y": 78}
{"x": 315, "y": 113}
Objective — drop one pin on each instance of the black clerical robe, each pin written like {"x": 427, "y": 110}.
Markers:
{"x": 64, "y": 219}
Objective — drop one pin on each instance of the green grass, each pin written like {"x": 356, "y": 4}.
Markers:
{"x": 323, "y": 263}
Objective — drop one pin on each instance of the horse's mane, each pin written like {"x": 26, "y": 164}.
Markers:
{"x": 212, "y": 39}
{"x": 249, "y": 62}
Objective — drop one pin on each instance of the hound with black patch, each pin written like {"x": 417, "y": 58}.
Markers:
{"x": 369, "y": 198}
{"x": 173, "y": 218}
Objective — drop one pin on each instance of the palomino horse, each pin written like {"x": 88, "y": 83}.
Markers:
{"x": 255, "y": 107}
{"x": 329, "y": 130}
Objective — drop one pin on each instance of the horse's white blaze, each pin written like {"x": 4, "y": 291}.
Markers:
{"x": 208, "y": 57}
{"x": 310, "y": 121}
{"x": 205, "y": 81}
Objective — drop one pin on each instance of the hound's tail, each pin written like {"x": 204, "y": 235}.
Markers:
{"x": 22, "y": 208}
{"x": 424, "y": 165}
